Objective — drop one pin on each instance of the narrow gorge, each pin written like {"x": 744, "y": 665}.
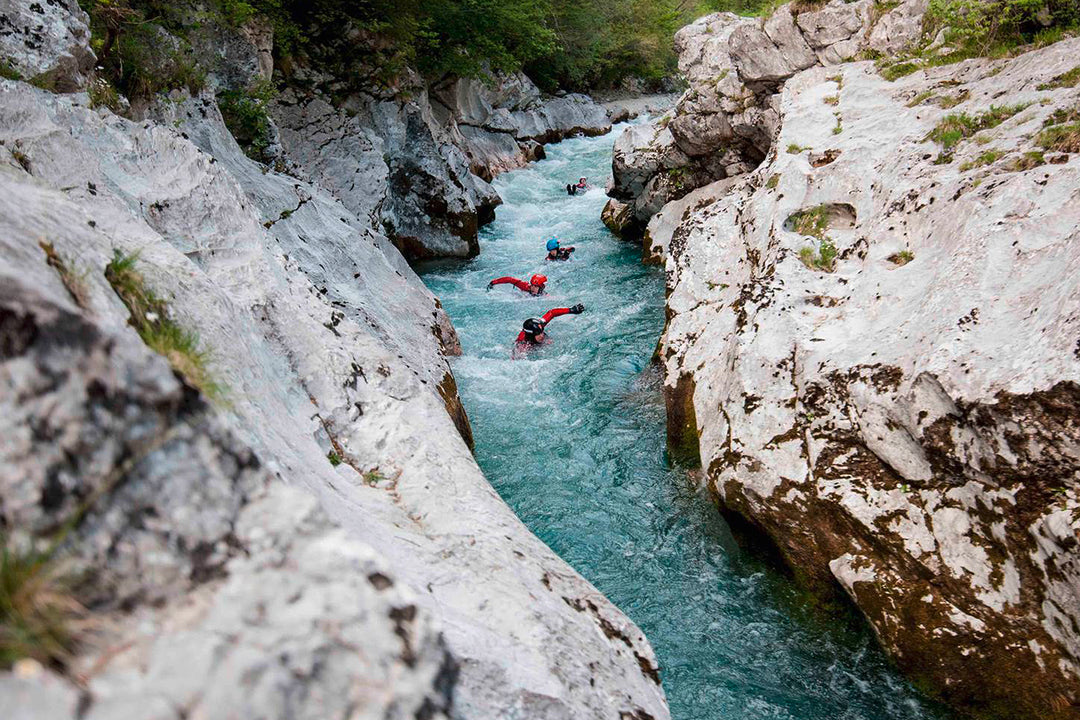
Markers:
{"x": 266, "y": 452}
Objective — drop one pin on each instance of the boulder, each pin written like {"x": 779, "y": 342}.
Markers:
{"x": 898, "y": 29}
{"x": 616, "y": 216}
{"x": 902, "y": 421}
{"x": 835, "y": 22}
{"x": 47, "y": 41}
{"x": 789, "y": 41}
{"x": 726, "y": 122}
{"x": 757, "y": 59}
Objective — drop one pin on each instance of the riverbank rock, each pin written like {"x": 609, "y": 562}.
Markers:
{"x": 726, "y": 122}
{"x": 498, "y": 120}
{"x": 319, "y": 540}
{"x": 48, "y": 42}
{"x": 872, "y": 349}
{"x": 615, "y": 216}
{"x": 621, "y": 109}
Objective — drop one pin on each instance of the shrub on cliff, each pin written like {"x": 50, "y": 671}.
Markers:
{"x": 245, "y": 114}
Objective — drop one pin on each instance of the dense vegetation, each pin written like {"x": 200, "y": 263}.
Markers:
{"x": 573, "y": 44}
{"x": 991, "y": 27}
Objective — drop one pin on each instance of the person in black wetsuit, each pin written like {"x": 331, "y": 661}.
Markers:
{"x": 582, "y": 186}
{"x": 555, "y": 252}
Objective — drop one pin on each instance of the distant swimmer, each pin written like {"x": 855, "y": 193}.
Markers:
{"x": 558, "y": 253}
{"x": 535, "y": 286}
{"x": 581, "y": 186}
{"x": 532, "y": 330}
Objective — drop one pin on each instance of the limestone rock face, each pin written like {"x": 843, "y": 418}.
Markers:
{"x": 726, "y": 122}
{"x": 251, "y": 576}
{"x": 235, "y": 58}
{"x": 899, "y": 28}
{"x": 390, "y": 160}
{"x": 243, "y": 589}
{"x": 497, "y": 120}
{"x": 47, "y": 40}
{"x": 906, "y": 425}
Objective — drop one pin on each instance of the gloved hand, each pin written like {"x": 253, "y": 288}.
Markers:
{"x": 569, "y": 249}
{"x": 491, "y": 285}
{"x": 577, "y": 309}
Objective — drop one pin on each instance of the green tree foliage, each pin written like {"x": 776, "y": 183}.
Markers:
{"x": 573, "y": 44}
{"x": 986, "y": 25}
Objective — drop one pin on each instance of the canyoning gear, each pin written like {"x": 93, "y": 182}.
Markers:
{"x": 532, "y": 326}
{"x": 577, "y": 309}
{"x": 553, "y": 244}
{"x": 532, "y": 287}
{"x": 532, "y": 330}
{"x": 571, "y": 189}
{"x": 583, "y": 184}
{"x": 559, "y": 253}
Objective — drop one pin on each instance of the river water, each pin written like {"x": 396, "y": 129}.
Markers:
{"x": 572, "y": 437}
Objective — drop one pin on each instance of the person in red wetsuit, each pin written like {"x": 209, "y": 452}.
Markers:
{"x": 532, "y": 330}
{"x": 535, "y": 286}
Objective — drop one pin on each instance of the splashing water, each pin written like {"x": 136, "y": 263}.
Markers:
{"x": 572, "y": 437}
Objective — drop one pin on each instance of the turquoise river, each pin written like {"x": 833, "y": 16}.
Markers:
{"x": 572, "y": 437}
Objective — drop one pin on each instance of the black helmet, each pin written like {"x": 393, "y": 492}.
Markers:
{"x": 533, "y": 326}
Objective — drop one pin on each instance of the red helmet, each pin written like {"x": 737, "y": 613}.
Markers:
{"x": 538, "y": 279}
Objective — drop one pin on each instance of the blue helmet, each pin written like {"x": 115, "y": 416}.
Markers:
{"x": 553, "y": 244}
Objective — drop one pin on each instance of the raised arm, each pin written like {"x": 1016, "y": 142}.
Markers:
{"x": 556, "y": 312}
{"x": 519, "y": 284}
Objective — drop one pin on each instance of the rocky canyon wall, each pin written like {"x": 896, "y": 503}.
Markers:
{"x": 277, "y": 514}
{"x": 872, "y": 338}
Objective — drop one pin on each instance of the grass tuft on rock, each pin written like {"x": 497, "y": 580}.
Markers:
{"x": 920, "y": 98}
{"x": 987, "y": 158}
{"x": 1064, "y": 80}
{"x": 822, "y": 258}
{"x": 8, "y": 71}
{"x": 1060, "y": 138}
{"x": 150, "y": 318}
{"x": 103, "y": 94}
{"x": 795, "y": 149}
{"x": 959, "y": 126}
{"x": 38, "y": 611}
{"x": 893, "y": 72}
{"x": 901, "y": 258}
{"x": 813, "y": 222}
{"x": 1027, "y": 161}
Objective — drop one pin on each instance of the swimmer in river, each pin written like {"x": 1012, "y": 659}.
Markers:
{"x": 533, "y": 330}
{"x": 535, "y": 286}
{"x": 555, "y": 252}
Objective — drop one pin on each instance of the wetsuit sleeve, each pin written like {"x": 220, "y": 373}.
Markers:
{"x": 554, "y": 313}
{"x": 519, "y": 284}
{"x": 521, "y": 336}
